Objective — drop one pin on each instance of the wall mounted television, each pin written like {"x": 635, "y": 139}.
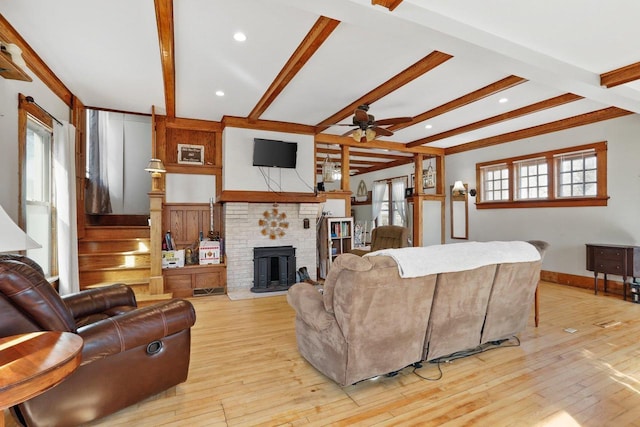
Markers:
{"x": 274, "y": 154}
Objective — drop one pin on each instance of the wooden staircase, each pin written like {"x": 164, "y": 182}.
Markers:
{"x": 117, "y": 254}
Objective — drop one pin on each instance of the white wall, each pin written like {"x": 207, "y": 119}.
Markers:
{"x": 240, "y": 174}
{"x": 566, "y": 229}
{"x": 9, "y": 90}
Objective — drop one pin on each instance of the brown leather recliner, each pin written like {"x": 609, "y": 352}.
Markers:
{"x": 386, "y": 237}
{"x": 129, "y": 353}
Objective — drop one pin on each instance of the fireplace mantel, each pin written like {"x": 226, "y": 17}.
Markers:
{"x": 270, "y": 197}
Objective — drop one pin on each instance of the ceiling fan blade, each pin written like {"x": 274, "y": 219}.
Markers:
{"x": 349, "y": 132}
{"x": 393, "y": 121}
{"x": 382, "y": 131}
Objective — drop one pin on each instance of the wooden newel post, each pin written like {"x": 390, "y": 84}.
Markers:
{"x": 156, "y": 281}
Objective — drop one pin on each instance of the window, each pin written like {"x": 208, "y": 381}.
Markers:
{"x": 533, "y": 179}
{"x": 393, "y": 210}
{"x": 496, "y": 182}
{"x": 577, "y": 174}
{"x": 574, "y": 176}
{"x": 37, "y": 213}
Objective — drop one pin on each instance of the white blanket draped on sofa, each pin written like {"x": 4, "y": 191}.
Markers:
{"x": 422, "y": 261}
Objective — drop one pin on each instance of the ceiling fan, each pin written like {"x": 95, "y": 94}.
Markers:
{"x": 366, "y": 127}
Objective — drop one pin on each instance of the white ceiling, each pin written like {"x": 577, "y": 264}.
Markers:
{"x": 107, "y": 54}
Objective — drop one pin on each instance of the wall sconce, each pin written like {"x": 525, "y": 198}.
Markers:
{"x": 458, "y": 189}
{"x": 156, "y": 168}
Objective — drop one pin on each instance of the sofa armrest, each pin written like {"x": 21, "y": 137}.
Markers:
{"x": 98, "y": 300}
{"x": 309, "y": 306}
{"x": 359, "y": 252}
{"x": 135, "y": 328}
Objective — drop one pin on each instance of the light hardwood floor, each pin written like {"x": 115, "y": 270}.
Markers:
{"x": 246, "y": 371}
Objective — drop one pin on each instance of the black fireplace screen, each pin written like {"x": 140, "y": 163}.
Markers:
{"x": 274, "y": 268}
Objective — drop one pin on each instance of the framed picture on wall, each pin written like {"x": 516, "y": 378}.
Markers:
{"x": 191, "y": 154}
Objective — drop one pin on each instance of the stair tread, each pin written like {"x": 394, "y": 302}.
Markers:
{"x": 99, "y": 253}
{"x": 152, "y": 297}
{"x": 128, "y": 282}
{"x": 118, "y": 267}
{"x": 111, "y": 227}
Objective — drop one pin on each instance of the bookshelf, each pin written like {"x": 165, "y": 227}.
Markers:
{"x": 336, "y": 239}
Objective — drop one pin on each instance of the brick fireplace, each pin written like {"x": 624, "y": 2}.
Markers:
{"x": 244, "y": 232}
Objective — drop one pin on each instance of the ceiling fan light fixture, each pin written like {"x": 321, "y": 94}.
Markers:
{"x": 357, "y": 135}
{"x": 370, "y": 134}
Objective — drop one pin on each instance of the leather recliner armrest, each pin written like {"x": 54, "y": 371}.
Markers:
{"x": 133, "y": 329}
{"x": 309, "y": 306}
{"x": 98, "y": 300}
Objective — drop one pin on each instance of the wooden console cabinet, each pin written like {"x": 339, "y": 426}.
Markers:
{"x": 196, "y": 280}
{"x": 619, "y": 260}
{"x": 186, "y": 221}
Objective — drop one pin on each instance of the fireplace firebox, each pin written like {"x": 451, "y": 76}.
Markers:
{"x": 274, "y": 268}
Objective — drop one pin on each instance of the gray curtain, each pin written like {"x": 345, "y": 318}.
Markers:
{"x": 97, "y": 200}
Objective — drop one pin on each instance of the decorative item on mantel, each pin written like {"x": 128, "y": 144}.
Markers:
{"x": 274, "y": 223}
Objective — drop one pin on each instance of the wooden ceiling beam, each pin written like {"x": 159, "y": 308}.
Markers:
{"x": 352, "y": 162}
{"x": 528, "y": 109}
{"x": 8, "y": 34}
{"x": 558, "y": 125}
{"x": 354, "y": 153}
{"x": 385, "y": 166}
{"x": 324, "y": 138}
{"x": 476, "y": 95}
{"x": 389, "y": 4}
{"x": 620, "y": 76}
{"x": 318, "y": 34}
{"x": 164, "y": 20}
{"x": 270, "y": 125}
{"x": 414, "y": 71}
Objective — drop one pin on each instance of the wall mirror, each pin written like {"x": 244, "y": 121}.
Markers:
{"x": 459, "y": 220}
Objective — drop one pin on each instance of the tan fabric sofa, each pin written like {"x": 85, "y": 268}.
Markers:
{"x": 370, "y": 321}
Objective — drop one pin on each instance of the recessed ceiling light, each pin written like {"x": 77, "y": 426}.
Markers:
{"x": 428, "y": 126}
{"x": 503, "y": 100}
{"x": 219, "y": 93}
{"x": 239, "y": 37}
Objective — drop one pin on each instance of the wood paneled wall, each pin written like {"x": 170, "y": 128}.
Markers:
{"x": 186, "y": 220}
{"x": 171, "y": 132}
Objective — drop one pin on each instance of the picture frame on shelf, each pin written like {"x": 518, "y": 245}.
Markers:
{"x": 191, "y": 154}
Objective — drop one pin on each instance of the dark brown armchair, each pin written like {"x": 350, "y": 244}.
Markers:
{"x": 129, "y": 353}
{"x": 386, "y": 237}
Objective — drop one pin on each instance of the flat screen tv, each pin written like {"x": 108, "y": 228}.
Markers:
{"x": 274, "y": 154}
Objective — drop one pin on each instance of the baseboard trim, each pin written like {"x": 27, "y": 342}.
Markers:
{"x": 585, "y": 282}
